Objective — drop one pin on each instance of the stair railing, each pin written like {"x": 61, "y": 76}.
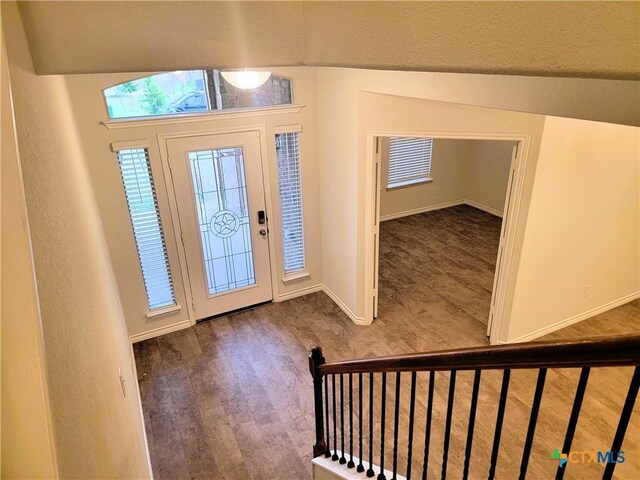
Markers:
{"x": 617, "y": 351}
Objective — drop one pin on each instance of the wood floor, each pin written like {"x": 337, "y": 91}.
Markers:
{"x": 231, "y": 398}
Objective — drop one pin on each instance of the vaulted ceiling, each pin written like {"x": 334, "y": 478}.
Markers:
{"x": 556, "y": 38}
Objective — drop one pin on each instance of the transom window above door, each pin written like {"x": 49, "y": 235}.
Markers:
{"x": 191, "y": 91}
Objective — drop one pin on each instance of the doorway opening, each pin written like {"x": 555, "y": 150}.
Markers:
{"x": 441, "y": 226}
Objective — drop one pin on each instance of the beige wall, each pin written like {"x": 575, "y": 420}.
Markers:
{"x": 583, "y": 227}
{"x": 475, "y": 172}
{"x": 488, "y": 174}
{"x": 99, "y": 432}
{"x": 449, "y": 162}
{"x": 85, "y": 92}
{"x": 556, "y": 38}
{"x": 27, "y": 437}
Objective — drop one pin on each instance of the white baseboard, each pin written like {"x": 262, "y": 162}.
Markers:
{"x": 354, "y": 318}
{"x": 156, "y": 332}
{"x": 298, "y": 293}
{"x": 440, "y": 206}
{"x": 416, "y": 211}
{"x": 575, "y": 319}
{"x": 484, "y": 208}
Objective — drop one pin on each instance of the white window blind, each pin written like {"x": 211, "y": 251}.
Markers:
{"x": 289, "y": 182}
{"x": 409, "y": 161}
{"x": 147, "y": 229}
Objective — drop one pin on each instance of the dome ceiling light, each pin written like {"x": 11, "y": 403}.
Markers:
{"x": 246, "y": 79}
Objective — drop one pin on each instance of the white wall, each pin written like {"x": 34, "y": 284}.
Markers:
{"x": 488, "y": 174}
{"x": 27, "y": 437}
{"x": 475, "y": 172}
{"x": 99, "y": 433}
{"x": 85, "y": 92}
{"x": 449, "y": 162}
{"x": 582, "y": 229}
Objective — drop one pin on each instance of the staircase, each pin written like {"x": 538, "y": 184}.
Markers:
{"x": 440, "y": 414}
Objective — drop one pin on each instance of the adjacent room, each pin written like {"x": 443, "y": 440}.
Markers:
{"x": 442, "y": 202}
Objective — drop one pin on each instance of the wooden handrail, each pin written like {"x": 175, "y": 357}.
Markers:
{"x": 621, "y": 350}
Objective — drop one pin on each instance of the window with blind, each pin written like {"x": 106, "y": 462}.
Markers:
{"x": 147, "y": 229}
{"x": 289, "y": 183}
{"x": 409, "y": 161}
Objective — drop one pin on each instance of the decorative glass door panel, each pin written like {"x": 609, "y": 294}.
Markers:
{"x": 223, "y": 214}
{"x": 219, "y": 191}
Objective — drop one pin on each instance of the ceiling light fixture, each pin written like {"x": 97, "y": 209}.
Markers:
{"x": 246, "y": 79}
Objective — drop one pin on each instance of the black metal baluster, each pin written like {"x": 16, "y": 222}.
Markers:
{"x": 327, "y": 452}
{"x": 360, "y": 468}
{"x": 351, "y": 464}
{"x": 447, "y": 428}
{"x": 316, "y": 360}
{"x": 342, "y": 459}
{"x": 370, "y": 472}
{"x": 501, "y": 407}
{"x": 412, "y": 408}
{"x": 334, "y": 457}
{"x": 427, "y": 430}
{"x": 625, "y": 415}
{"x": 533, "y": 420}
{"x": 381, "y": 475}
{"x": 573, "y": 419}
{"x": 472, "y": 422}
{"x": 396, "y": 418}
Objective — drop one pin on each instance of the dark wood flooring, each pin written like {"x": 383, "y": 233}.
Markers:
{"x": 231, "y": 398}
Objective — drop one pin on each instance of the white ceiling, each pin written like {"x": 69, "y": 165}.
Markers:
{"x": 563, "y": 39}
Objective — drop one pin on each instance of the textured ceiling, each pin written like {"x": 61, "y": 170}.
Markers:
{"x": 566, "y": 39}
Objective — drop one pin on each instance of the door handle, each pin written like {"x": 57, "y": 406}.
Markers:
{"x": 262, "y": 218}
{"x": 263, "y": 232}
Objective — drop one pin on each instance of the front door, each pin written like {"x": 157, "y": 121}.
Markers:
{"x": 219, "y": 190}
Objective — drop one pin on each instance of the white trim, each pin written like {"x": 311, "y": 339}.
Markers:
{"x": 484, "y": 208}
{"x": 575, "y": 319}
{"x": 279, "y": 129}
{"x": 131, "y": 144}
{"x": 416, "y": 211}
{"x": 299, "y": 293}
{"x": 439, "y": 206}
{"x": 200, "y": 117}
{"x": 341, "y": 471}
{"x": 156, "y": 332}
{"x": 409, "y": 183}
{"x": 163, "y": 311}
{"x": 290, "y": 277}
{"x": 354, "y": 318}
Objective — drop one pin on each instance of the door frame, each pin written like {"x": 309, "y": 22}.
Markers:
{"x": 162, "y": 139}
{"x": 505, "y": 261}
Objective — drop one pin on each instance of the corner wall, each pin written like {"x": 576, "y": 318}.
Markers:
{"x": 581, "y": 253}
{"x": 28, "y": 449}
{"x": 488, "y": 174}
{"x": 99, "y": 432}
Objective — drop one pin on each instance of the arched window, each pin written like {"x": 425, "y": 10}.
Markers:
{"x": 190, "y": 91}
